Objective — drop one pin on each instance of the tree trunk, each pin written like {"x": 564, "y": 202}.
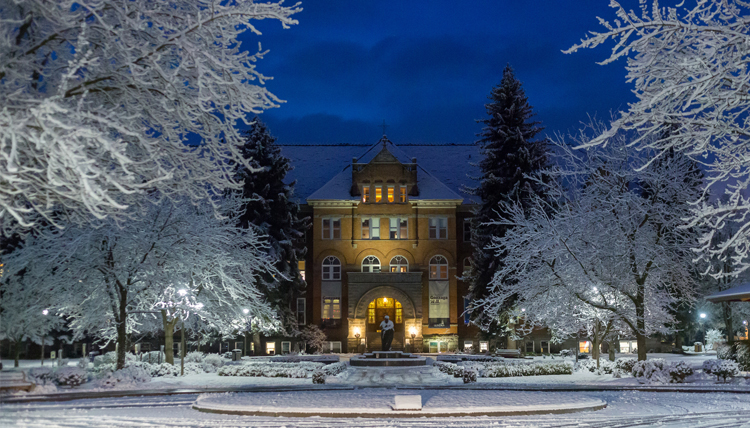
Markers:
{"x": 182, "y": 349}
{"x": 122, "y": 342}
{"x": 18, "y": 351}
{"x": 727, "y": 312}
{"x": 168, "y": 337}
{"x": 42, "y": 357}
{"x": 611, "y": 350}
{"x": 640, "y": 321}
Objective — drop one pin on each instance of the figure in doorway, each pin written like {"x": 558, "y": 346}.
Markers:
{"x": 386, "y": 333}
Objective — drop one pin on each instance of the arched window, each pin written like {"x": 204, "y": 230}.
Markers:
{"x": 331, "y": 269}
{"x": 371, "y": 264}
{"x": 438, "y": 268}
{"x": 399, "y": 264}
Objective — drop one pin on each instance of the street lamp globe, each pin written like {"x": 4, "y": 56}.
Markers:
{"x": 246, "y": 311}
{"x": 703, "y": 315}
{"x": 45, "y": 312}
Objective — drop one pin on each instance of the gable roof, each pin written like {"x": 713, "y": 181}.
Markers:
{"x": 325, "y": 171}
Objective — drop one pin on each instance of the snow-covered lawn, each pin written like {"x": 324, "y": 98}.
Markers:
{"x": 407, "y": 376}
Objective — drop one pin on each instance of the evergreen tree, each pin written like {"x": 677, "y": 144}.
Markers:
{"x": 509, "y": 152}
{"x": 272, "y": 212}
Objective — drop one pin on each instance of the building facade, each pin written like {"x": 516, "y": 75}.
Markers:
{"x": 387, "y": 238}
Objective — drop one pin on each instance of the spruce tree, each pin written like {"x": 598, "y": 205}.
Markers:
{"x": 509, "y": 151}
{"x": 270, "y": 209}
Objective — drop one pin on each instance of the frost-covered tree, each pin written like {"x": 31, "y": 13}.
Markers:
{"x": 103, "y": 275}
{"x": 271, "y": 210}
{"x": 689, "y": 68}
{"x": 99, "y": 99}
{"x": 510, "y": 152}
{"x": 609, "y": 238}
{"x": 25, "y": 312}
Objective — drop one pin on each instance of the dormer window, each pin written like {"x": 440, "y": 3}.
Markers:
{"x": 366, "y": 193}
{"x": 402, "y": 193}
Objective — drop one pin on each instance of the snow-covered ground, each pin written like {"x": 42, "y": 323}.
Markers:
{"x": 624, "y": 409}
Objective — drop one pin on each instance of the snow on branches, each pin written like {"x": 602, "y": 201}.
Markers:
{"x": 99, "y": 98}
{"x": 606, "y": 250}
{"x": 105, "y": 277}
{"x": 689, "y": 71}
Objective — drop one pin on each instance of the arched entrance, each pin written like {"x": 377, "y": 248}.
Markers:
{"x": 376, "y": 311}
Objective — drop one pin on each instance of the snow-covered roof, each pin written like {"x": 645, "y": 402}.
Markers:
{"x": 734, "y": 294}
{"x": 324, "y": 172}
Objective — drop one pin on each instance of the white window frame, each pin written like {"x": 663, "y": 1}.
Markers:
{"x": 398, "y": 264}
{"x": 378, "y": 199}
{"x": 397, "y": 228}
{"x": 390, "y": 195}
{"x": 330, "y": 307}
{"x": 371, "y": 266}
{"x": 288, "y": 347}
{"x": 373, "y": 228}
{"x": 366, "y": 194}
{"x": 329, "y": 272}
{"x": 438, "y": 228}
{"x": 438, "y": 273}
{"x": 301, "y": 310}
{"x": 402, "y": 196}
{"x": 329, "y": 227}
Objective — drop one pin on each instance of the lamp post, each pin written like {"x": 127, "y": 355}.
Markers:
{"x": 357, "y": 334}
{"x": 44, "y": 312}
{"x": 413, "y": 333}
{"x": 703, "y": 328}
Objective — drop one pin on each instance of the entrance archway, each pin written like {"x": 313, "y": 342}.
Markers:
{"x": 377, "y": 309}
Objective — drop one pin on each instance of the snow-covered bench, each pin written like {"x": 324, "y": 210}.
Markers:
{"x": 508, "y": 353}
{"x": 14, "y": 381}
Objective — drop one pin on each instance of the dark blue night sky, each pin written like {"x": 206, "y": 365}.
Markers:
{"x": 426, "y": 68}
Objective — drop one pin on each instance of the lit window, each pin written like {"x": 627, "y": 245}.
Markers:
{"x": 584, "y": 347}
{"x": 366, "y": 193}
{"x": 398, "y": 228}
{"x": 438, "y": 228}
{"x": 438, "y": 268}
{"x": 390, "y": 194}
{"x": 467, "y": 230}
{"x": 301, "y": 268}
{"x": 399, "y": 264}
{"x": 484, "y": 346}
{"x": 331, "y": 269}
{"x": 378, "y": 194}
{"x": 399, "y": 313}
{"x": 370, "y": 228}
{"x": 371, "y": 264}
{"x": 301, "y": 311}
{"x": 468, "y": 344}
{"x": 331, "y": 228}
{"x": 371, "y": 313}
{"x": 402, "y": 193}
{"x": 331, "y": 308}
{"x": 271, "y": 348}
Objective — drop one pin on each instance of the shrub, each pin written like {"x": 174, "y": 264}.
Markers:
{"x": 334, "y": 369}
{"x": 194, "y": 357}
{"x": 70, "y": 376}
{"x": 742, "y": 354}
{"x": 605, "y": 366}
{"x": 444, "y": 367}
{"x": 153, "y": 357}
{"x": 164, "y": 370}
{"x": 713, "y": 336}
{"x": 293, "y": 370}
{"x": 40, "y": 376}
{"x": 212, "y": 363}
{"x": 710, "y": 365}
{"x": 625, "y": 365}
{"x": 129, "y": 375}
{"x": 651, "y": 371}
{"x": 726, "y": 369}
{"x": 567, "y": 353}
{"x": 227, "y": 355}
{"x": 470, "y": 375}
{"x": 527, "y": 369}
{"x": 724, "y": 351}
{"x": 679, "y": 371}
{"x": 458, "y": 371}
{"x": 319, "y": 377}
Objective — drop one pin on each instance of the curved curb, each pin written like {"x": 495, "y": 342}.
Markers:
{"x": 398, "y": 414}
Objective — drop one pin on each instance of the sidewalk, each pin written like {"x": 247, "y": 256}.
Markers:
{"x": 68, "y": 396}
